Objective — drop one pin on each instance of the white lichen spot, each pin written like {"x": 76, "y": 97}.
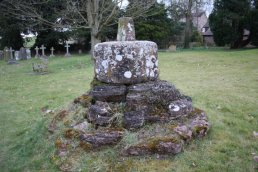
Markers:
{"x": 149, "y": 62}
{"x": 141, "y": 52}
{"x": 129, "y": 56}
{"x": 147, "y": 71}
{"x": 156, "y": 63}
{"x": 104, "y": 63}
{"x": 174, "y": 107}
{"x": 128, "y": 74}
{"x": 152, "y": 74}
{"x": 130, "y": 27}
{"x": 97, "y": 71}
{"x": 119, "y": 58}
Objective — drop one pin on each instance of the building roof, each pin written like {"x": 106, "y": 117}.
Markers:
{"x": 198, "y": 14}
{"x": 207, "y": 25}
{"x": 208, "y": 33}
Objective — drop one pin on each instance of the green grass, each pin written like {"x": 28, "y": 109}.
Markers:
{"x": 224, "y": 83}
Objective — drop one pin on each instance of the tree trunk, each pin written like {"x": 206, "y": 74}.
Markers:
{"x": 188, "y": 28}
{"x": 94, "y": 40}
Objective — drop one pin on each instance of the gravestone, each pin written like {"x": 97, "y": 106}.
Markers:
{"x": 11, "y": 52}
{"x": 37, "y": 52}
{"x": 126, "y": 84}
{"x": 28, "y": 52}
{"x": 67, "y": 54}
{"x": 43, "y": 51}
{"x": 40, "y": 67}
{"x": 1, "y": 55}
{"x": 6, "y": 54}
{"x": 22, "y": 54}
{"x": 172, "y": 47}
{"x": 52, "y": 52}
{"x": 16, "y": 55}
{"x": 12, "y": 59}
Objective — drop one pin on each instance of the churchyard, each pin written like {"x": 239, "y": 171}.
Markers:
{"x": 221, "y": 82}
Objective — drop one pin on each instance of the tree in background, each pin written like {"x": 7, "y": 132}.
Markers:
{"x": 254, "y": 23}
{"x": 229, "y": 20}
{"x": 157, "y": 26}
{"x": 184, "y": 9}
{"x": 10, "y": 32}
{"x": 90, "y": 14}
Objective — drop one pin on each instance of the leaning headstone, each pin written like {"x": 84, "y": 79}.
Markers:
{"x": 43, "y": 51}
{"x": 6, "y": 54}
{"x": 37, "y": 52}
{"x": 1, "y": 55}
{"x": 67, "y": 50}
{"x": 52, "y": 52}
{"x": 16, "y": 55}
{"x": 22, "y": 54}
{"x": 41, "y": 67}
{"x": 28, "y": 52}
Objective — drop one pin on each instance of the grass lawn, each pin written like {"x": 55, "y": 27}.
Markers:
{"x": 223, "y": 83}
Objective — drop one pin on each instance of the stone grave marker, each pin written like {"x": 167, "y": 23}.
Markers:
{"x": 40, "y": 67}
{"x": 67, "y": 54}
{"x": 12, "y": 60}
{"x": 22, "y": 54}
{"x": 1, "y": 55}
{"x": 172, "y": 47}
{"x": 43, "y": 51}
{"x": 52, "y": 52}
{"x": 11, "y": 52}
{"x": 28, "y": 52}
{"x": 37, "y": 52}
{"x": 126, "y": 83}
{"x": 16, "y": 55}
{"x": 6, "y": 54}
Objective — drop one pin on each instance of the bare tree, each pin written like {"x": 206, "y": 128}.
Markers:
{"x": 91, "y": 14}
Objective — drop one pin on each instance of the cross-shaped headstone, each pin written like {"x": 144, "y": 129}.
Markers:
{"x": 52, "y": 52}
{"x": 37, "y": 52}
{"x": 67, "y": 49}
{"x": 11, "y": 52}
{"x": 43, "y": 50}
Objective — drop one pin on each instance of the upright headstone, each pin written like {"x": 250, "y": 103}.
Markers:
{"x": 67, "y": 50}
{"x": 6, "y": 54}
{"x": 1, "y": 55}
{"x": 43, "y": 51}
{"x": 12, "y": 59}
{"x": 172, "y": 47}
{"x": 11, "y": 52}
{"x": 79, "y": 51}
{"x": 16, "y": 55}
{"x": 37, "y": 52}
{"x": 52, "y": 52}
{"x": 28, "y": 52}
{"x": 22, "y": 54}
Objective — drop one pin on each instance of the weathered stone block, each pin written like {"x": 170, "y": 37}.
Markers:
{"x": 179, "y": 108}
{"x": 100, "y": 113}
{"x": 134, "y": 119}
{"x": 109, "y": 93}
{"x": 126, "y": 62}
{"x": 102, "y": 138}
{"x": 166, "y": 145}
{"x": 154, "y": 95}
